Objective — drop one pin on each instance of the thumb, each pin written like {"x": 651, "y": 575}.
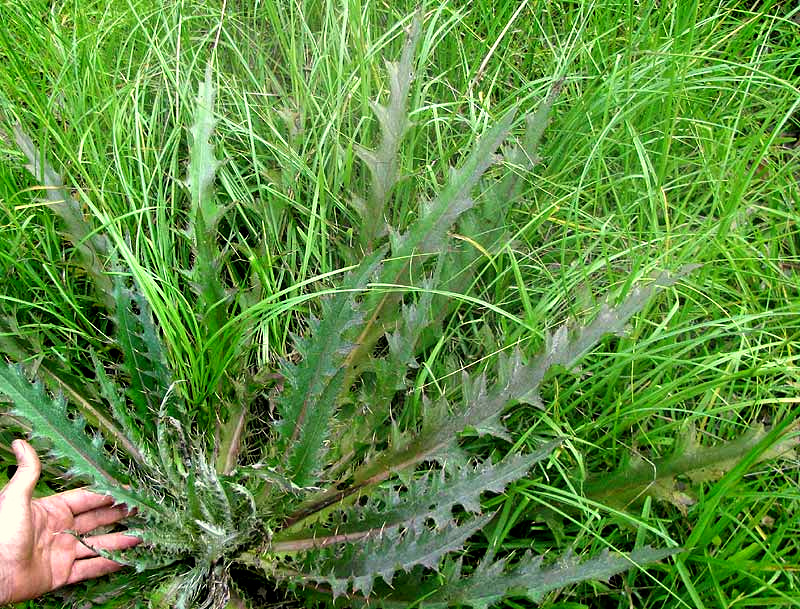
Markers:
{"x": 25, "y": 478}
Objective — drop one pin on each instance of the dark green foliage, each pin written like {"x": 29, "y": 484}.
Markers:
{"x": 48, "y": 418}
{"x": 361, "y": 563}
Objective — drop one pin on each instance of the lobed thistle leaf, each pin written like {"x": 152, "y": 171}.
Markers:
{"x": 526, "y": 156}
{"x": 91, "y": 247}
{"x": 491, "y": 582}
{"x": 169, "y": 536}
{"x": 628, "y": 486}
{"x": 174, "y": 453}
{"x": 216, "y": 505}
{"x": 567, "y": 345}
{"x": 70, "y": 440}
{"x": 381, "y": 379}
{"x": 426, "y": 236}
{"x": 68, "y": 436}
{"x": 143, "y": 362}
{"x": 313, "y": 386}
{"x": 58, "y": 378}
{"x": 483, "y": 405}
{"x": 482, "y": 230}
{"x": 269, "y": 475}
{"x": 382, "y": 557}
{"x": 137, "y": 445}
{"x": 205, "y": 211}
{"x": 431, "y": 497}
{"x": 393, "y": 121}
{"x": 414, "y": 320}
{"x": 203, "y": 163}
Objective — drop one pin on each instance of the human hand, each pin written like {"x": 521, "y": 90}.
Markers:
{"x": 37, "y": 554}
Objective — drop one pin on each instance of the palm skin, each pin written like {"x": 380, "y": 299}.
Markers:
{"x": 39, "y": 545}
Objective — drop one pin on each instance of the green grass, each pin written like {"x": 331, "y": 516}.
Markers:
{"x": 674, "y": 142}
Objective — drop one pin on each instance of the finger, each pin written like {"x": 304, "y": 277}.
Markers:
{"x": 89, "y": 521}
{"x": 89, "y": 568}
{"x": 21, "y": 485}
{"x": 81, "y": 500}
{"x": 111, "y": 542}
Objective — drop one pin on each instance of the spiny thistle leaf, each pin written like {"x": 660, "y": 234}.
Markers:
{"x": 138, "y": 445}
{"x": 482, "y": 229}
{"x": 59, "y": 379}
{"x": 49, "y": 420}
{"x": 393, "y": 122}
{"x": 143, "y": 359}
{"x": 180, "y": 591}
{"x": 174, "y": 541}
{"x": 414, "y": 320}
{"x": 431, "y": 497}
{"x": 483, "y": 406}
{"x": 492, "y": 582}
{"x": 70, "y": 440}
{"x": 381, "y": 379}
{"x": 382, "y": 557}
{"x": 205, "y": 211}
{"x": 91, "y": 247}
{"x": 526, "y": 156}
{"x": 174, "y": 453}
{"x": 428, "y": 234}
{"x": 270, "y": 476}
{"x": 203, "y": 163}
{"x": 566, "y": 346}
{"x": 313, "y": 386}
{"x": 629, "y": 485}
{"x": 122, "y": 591}
{"x": 499, "y": 195}
{"x": 216, "y": 506}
